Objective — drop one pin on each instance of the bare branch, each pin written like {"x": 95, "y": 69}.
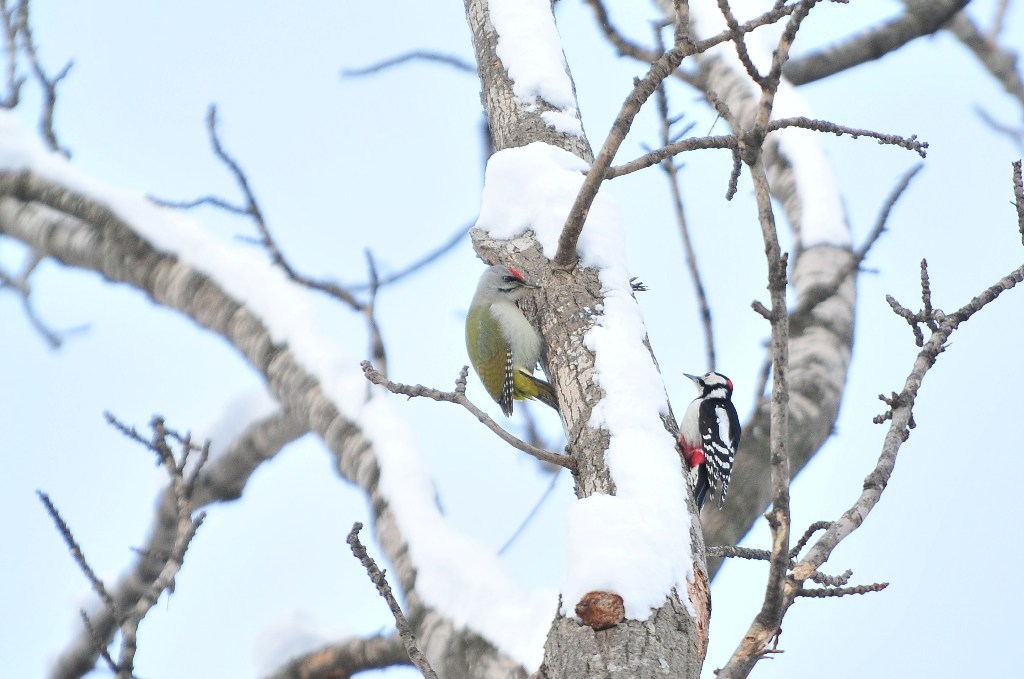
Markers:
{"x": 736, "y": 35}
{"x": 621, "y": 43}
{"x": 565, "y": 258}
{"x": 672, "y": 174}
{"x": 910, "y": 143}
{"x": 739, "y": 552}
{"x": 378, "y": 579}
{"x": 428, "y": 258}
{"x": 10, "y": 31}
{"x": 841, "y": 591}
{"x": 811, "y": 530}
{"x": 726, "y": 141}
{"x": 1018, "y": 197}
{"x": 532, "y": 513}
{"x": 920, "y": 18}
{"x": 346, "y": 658}
{"x": 48, "y": 84}
{"x": 999, "y": 61}
{"x": 459, "y": 397}
{"x": 76, "y": 553}
{"x": 458, "y": 63}
{"x": 799, "y": 315}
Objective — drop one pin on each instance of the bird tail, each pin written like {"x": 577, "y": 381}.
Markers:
{"x": 534, "y": 387}
{"x": 700, "y": 488}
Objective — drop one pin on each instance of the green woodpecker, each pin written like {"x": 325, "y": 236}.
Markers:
{"x": 503, "y": 346}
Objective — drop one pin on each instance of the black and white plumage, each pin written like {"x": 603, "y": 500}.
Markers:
{"x": 710, "y": 435}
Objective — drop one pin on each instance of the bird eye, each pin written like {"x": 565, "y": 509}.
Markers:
{"x": 510, "y": 279}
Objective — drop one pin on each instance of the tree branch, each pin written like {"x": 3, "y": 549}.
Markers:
{"x": 920, "y": 18}
{"x": 378, "y": 579}
{"x": 346, "y": 658}
{"x": 459, "y": 397}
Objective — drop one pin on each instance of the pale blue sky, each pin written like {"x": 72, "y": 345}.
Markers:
{"x": 393, "y": 163}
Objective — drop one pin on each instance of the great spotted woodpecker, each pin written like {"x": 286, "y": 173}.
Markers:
{"x": 709, "y": 436}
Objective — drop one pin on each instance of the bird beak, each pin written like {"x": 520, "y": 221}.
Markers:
{"x": 692, "y": 377}
{"x": 532, "y": 286}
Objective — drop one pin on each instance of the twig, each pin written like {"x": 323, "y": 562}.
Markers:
{"x": 346, "y": 658}
{"x": 736, "y": 35}
{"x": 672, "y": 174}
{"x": 532, "y": 513}
{"x": 798, "y": 316}
{"x": 997, "y": 60}
{"x": 725, "y": 141}
{"x": 457, "y": 237}
{"x": 811, "y": 530}
{"x": 378, "y": 579}
{"x": 459, "y": 397}
{"x": 768, "y": 620}
{"x": 910, "y": 143}
{"x": 48, "y": 84}
{"x": 98, "y": 642}
{"x": 738, "y": 552}
{"x": 224, "y": 478}
{"x": 14, "y": 81}
{"x": 1018, "y": 197}
{"x": 369, "y": 313}
{"x": 920, "y": 18}
{"x": 841, "y": 591}
{"x": 623, "y": 45}
{"x": 77, "y": 555}
{"x": 20, "y": 286}
{"x": 416, "y": 55}
{"x": 565, "y": 257}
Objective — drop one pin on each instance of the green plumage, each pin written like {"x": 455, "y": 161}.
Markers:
{"x": 502, "y": 345}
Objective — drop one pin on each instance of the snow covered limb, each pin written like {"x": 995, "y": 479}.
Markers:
{"x": 633, "y": 534}
{"x": 232, "y": 292}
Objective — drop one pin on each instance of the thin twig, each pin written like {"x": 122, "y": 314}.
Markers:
{"x": 910, "y": 143}
{"x": 48, "y": 84}
{"x": 532, "y": 513}
{"x": 369, "y": 313}
{"x": 1018, "y": 197}
{"x": 76, "y": 553}
{"x": 457, "y": 237}
{"x": 738, "y": 552}
{"x": 620, "y": 42}
{"x": 811, "y": 530}
{"x": 14, "y": 81}
{"x": 378, "y": 579}
{"x": 672, "y": 174}
{"x": 416, "y": 55}
{"x": 798, "y": 316}
{"x": 565, "y": 257}
{"x": 841, "y": 591}
{"x": 459, "y": 397}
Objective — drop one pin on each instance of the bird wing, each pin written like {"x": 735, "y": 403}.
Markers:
{"x": 720, "y": 438}
{"x": 492, "y": 355}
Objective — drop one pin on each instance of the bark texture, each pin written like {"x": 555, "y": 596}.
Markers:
{"x": 670, "y": 642}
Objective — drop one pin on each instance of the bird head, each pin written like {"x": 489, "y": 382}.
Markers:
{"x": 710, "y": 382}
